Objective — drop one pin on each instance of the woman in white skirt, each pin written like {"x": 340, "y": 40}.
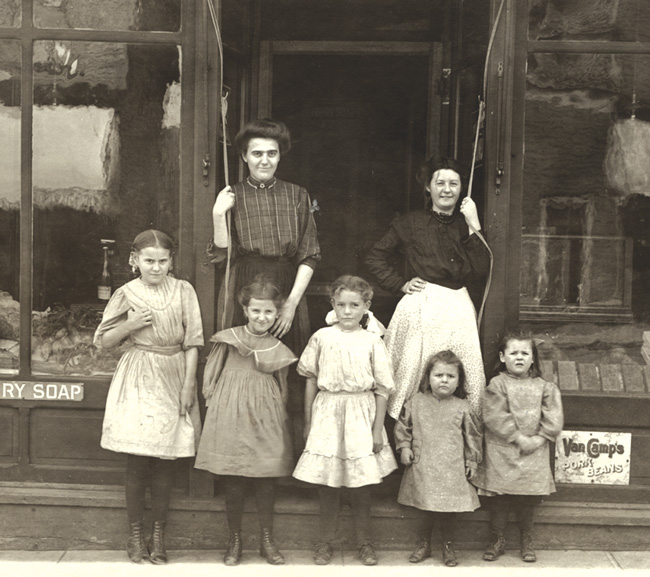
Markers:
{"x": 442, "y": 255}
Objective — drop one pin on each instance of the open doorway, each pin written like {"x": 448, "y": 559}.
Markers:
{"x": 359, "y": 136}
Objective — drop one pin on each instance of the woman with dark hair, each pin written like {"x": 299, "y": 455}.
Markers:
{"x": 442, "y": 254}
{"x": 273, "y": 233}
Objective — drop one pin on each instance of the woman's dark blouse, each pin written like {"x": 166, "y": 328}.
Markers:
{"x": 441, "y": 253}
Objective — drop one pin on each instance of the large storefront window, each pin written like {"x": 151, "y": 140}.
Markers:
{"x": 106, "y": 166}
{"x": 159, "y": 15}
{"x": 9, "y": 204}
{"x": 586, "y": 209}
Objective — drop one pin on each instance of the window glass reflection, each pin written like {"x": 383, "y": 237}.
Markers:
{"x": 10, "y": 13}
{"x": 9, "y": 204}
{"x": 586, "y": 241}
{"x": 105, "y": 167}
{"x": 144, "y": 15}
{"x": 624, "y": 20}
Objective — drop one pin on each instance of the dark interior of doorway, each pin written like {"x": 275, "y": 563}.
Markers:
{"x": 359, "y": 132}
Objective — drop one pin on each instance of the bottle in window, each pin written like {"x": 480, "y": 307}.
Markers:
{"x": 105, "y": 286}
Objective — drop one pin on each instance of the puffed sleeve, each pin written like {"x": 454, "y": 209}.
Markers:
{"x": 496, "y": 411}
{"x": 308, "y": 247}
{"x": 213, "y": 367}
{"x": 308, "y": 363}
{"x": 552, "y": 419}
{"x": 381, "y": 258}
{"x": 382, "y": 370}
{"x": 404, "y": 428}
{"x": 473, "y": 438}
{"x": 115, "y": 314}
{"x": 191, "y": 317}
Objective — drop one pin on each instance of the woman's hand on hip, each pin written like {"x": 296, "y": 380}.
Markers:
{"x": 224, "y": 202}
{"x": 282, "y": 324}
{"x": 470, "y": 212}
{"x": 415, "y": 285}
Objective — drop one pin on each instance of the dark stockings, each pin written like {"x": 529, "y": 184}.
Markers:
{"x": 446, "y": 522}
{"x": 330, "y": 503}
{"x": 159, "y": 475}
{"x": 523, "y": 505}
{"x": 236, "y": 489}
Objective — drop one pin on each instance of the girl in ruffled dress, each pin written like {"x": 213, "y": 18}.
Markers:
{"x": 246, "y": 438}
{"x": 349, "y": 379}
{"x": 151, "y": 409}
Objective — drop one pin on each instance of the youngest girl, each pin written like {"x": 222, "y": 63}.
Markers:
{"x": 522, "y": 414}
{"x": 439, "y": 441}
{"x": 349, "y": 379}
{"x": 246, "y": 436}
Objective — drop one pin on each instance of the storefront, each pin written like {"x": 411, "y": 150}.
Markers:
{"x": 109, "y": 125}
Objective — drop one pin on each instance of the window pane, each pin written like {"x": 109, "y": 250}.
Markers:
{"x": 106, "y": 166}
{"x": 159, "y": 15}
{"x": 10, "y": 13}
{"x": 586, "y": 239}
{"x": 623, "y": 20}
{"x": 9, "y": 204}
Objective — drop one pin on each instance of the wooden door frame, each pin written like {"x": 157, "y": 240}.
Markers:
{"x": 263, "y": 99}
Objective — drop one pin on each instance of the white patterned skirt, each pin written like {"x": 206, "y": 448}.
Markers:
{"x": 339, "y": 451}
{"x": 425, "y": 323}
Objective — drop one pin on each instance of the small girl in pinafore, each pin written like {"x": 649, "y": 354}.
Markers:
{"x": 439, "y": 440}
{"x": 522, "y": 414}
{"x": 246, "y": 436}
{"x": 152, "y": 413}
{"x": 349, "y": 379}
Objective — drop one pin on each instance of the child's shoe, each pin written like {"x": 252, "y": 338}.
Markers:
{"x": 157, "y": 551}
{"x": 527, "y": 552}
{"x": 367, "y": 553}
{"x": 136, "y": 548}
{"x": 232, "y": 556}
{"x": 497, "y": 547}
{"x": 323, "y": 553}
{"x": 422, "y": 552}
{"x": 268, "y": 549}
{"x": 449, "y": 555}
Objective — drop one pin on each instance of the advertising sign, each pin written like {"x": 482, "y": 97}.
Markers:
{"x": 41, "y": 391}
{"x": 593, "y": 457}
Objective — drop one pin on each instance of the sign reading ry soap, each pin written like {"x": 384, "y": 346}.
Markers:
{"x": 41, "y": 391}
{"x": 593, "y": 457}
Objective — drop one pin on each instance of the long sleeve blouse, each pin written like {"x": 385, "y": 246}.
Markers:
{"x": 273, "y": 220}
{"x": 441, "y": 253}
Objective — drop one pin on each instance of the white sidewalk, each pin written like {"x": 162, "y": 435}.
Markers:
{"x": 299, "y": 563}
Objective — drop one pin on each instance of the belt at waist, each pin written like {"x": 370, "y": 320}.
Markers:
{"x": 254, "y": 257}
{"x": 160, "y": 350}
{"x": 347, "y": 393}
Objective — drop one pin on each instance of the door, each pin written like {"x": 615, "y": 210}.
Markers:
{"x": 363, "y": 117}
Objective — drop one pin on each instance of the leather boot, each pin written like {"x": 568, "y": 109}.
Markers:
{"x": 527, "y": 552}
{"x": 135, "y": 546}
{"x": 269, "y": 550}
{"x": 421, "y": 552}
{"x": 233, "y": 553}
{"x": 449, "y": 554}
{"x": 497, "y": 547}
{"x": 157, "y": 552}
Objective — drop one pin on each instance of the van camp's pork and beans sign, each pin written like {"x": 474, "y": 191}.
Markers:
{"x": 593, "y": 457}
